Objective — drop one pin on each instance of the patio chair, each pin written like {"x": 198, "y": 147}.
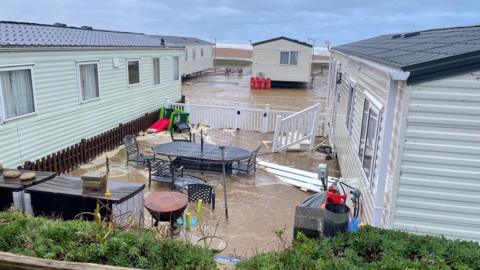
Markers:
{"x": 183, "y": 139}
{"x": 248, "y": 165}
{"x": 202, "y": 191}
{"x": 160, "y": 170}
{"x": 133, "y": 154}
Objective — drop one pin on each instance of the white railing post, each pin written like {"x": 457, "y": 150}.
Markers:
{"x": 313, "y": 132}
{"x": 265, "y": 119}
{"x": 277, "y": 135}
{"x": 166, "y": 102}
{"x": 237, "y": 116}
{"x": 186, "y": 107}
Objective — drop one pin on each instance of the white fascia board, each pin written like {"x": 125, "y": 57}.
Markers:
{"x": 392, "y": 73}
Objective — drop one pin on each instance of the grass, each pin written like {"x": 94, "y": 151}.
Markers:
{"x": 372, "y": 248}
{"x": 232, "y": 63}
{"x": 77, "y": 241}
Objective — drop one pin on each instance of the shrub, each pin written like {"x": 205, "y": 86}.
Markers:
{"x": 77, "y": 241}
{"x": 372, "y": 248}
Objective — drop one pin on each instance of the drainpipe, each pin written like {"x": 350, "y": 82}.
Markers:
{"x": 388, "y": 119}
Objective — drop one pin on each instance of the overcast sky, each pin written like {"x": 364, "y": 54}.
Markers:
{"x": 238, "y": 21}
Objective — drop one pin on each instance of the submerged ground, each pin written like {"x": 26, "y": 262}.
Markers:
{"x": 259, "y": 204}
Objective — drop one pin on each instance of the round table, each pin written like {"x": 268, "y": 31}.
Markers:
{"x": 166, "y": 206}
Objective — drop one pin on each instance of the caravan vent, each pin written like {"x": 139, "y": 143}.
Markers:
{"x": 87, "y": 27}
{"x": 396, "y": 36}
{"x": 60, "y": 24}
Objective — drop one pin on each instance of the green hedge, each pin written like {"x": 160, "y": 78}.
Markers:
{"x": 372, "y": 248}
{"x": 77, "y": 241}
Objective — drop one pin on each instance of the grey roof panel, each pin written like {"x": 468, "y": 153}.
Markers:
{"x": 437, "y": 51}
{"x": 21, "y": 34}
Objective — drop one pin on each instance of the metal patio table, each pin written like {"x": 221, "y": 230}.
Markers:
{"x": 206, "y": 155}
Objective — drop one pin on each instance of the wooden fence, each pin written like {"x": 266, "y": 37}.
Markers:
{"x": 71, "y": 157}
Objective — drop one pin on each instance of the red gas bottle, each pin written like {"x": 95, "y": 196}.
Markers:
{"x": 262, "y": 83}
{"x": 268, "y": 83}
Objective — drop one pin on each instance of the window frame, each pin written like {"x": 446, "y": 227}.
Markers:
{"x": 202, "y": 53}
{"x": 372, "y": 106}
{"x": 350, "y": 108}
{"x": 178, "y": 67}
{"x": 159, "y": 71}
{"x": 139, "y": 72}
{"x": 79, "y": 81}
{"x": 194, "y": 54}
{"x": 3, "y": 118}
{"x": 186, "y": 55}
{"x": 289, "y": 58}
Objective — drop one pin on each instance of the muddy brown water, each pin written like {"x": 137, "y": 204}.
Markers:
{"x": 258, "y": 204}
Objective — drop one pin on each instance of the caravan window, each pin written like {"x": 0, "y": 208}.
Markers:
{"x": 284, "y": 58}
{"x": 176, "y": 69}
{"x": 289, "y": 58}
{"x": 156, "y": 71}
{"x": 16, "y": 93}
{"x": 350, "y": 107}
{"x": 88, "y": 76}
{"x": 133, "y": 72}
{"x": 368, "y": 139}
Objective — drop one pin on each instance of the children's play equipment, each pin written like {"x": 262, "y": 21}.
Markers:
{"x": 171, "y": 119}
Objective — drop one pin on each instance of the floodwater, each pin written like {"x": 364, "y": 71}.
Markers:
{"x": 223, "y": 90}
{"x": 258, "y": 205}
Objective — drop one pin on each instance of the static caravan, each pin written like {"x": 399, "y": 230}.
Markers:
{"x": 404, "y": 119}
{"x": 283, "y": 59}
{"x": 198, "y": 54}
{"x": 59, "y": 84}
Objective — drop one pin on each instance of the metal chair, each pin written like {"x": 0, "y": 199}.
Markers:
{"x": 248, "y": 165}
{"x": 201, "y": 191}
{"x": 133, "y": 154}
{"x": 184, "y": 139}
{"x": 160, "y": 170}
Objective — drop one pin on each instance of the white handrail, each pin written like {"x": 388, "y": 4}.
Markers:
{"x": 297, "y": 128}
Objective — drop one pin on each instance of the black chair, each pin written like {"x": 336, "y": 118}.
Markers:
{"x": 201, "y": 191}
{"x": 183, "y": 139}
{"x": 133, "y": 154}
{"x": 160, "y": 170}
{"x": 248, "y": 165}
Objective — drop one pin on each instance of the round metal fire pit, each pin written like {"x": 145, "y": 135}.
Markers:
{"x": 166, "y": 206}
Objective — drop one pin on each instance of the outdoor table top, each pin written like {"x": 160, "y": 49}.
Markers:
{"x": 15, "y": 184}
{"x": 211, "y": 152}
{"x": 72, "y": 186}
{"x": 166, "y": 202}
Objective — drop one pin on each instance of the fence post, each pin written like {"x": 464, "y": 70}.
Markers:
{"x": 237, "y": 116}
{"x": 277, "y": 136}
{"x": 186, "y": 107}
{"x": 265, "y": 119}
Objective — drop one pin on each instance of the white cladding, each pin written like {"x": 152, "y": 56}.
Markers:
{"x": 438, "y": 190}
{"x": 61, "y": 119}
